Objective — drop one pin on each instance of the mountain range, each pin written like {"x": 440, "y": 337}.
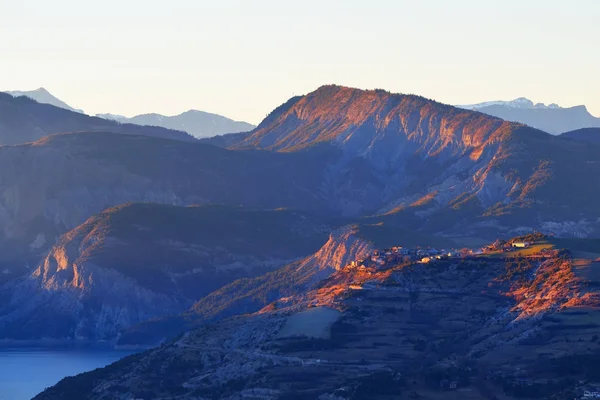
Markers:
{"x": 589, "y": 135}
{"x": 403, "y": 152}
{"x": 549, "y": 118}
{"x": 43, "y": 96}
{"x": 337, "y": 151}
{"x": 199, "y": 124}
{"x": 25, "y": 120}
{"x": 397, "y": 165}
{"x": 57, "y": 183}
{"x": 134, "y": 235}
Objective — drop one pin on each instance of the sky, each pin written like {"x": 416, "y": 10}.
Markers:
{"x": 243, "y": 58}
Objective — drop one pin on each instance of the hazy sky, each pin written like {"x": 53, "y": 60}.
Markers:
{"x": 243, "y": 58}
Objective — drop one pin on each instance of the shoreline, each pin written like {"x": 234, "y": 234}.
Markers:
{"x": 67, "y": 344}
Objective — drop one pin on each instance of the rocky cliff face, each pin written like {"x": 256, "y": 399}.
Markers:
{"x": 249, "y": 295}
{"x": 394, "y": 146}
{"x": 141, "y": 261}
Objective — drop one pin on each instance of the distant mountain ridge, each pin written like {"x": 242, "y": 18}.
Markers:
{"x": 24, "y": 120}
{"x": 549, "y": 118}
{"x": 521, "y": 102}
{"x": 200, "y": 124}
{"x": 43, "y": 96}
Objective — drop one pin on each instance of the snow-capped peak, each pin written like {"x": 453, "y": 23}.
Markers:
{"x": 521, "y": 102}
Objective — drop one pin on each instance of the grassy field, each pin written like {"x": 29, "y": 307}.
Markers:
{"x": 531, "y": 250}
{"x": 313, "y": 322}
{"x": 523, "y": 252}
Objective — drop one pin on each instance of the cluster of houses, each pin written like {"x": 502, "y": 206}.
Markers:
{"x": 381, "y": 259}
{"x": 501, "y": 245}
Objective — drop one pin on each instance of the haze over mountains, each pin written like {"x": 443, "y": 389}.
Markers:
{"x": 200, "y": 124}
{"x": 549, "y": 118}
{"x": 43, "y": 96}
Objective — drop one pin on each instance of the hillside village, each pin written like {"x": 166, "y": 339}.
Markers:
{"x": 382, "y": 259}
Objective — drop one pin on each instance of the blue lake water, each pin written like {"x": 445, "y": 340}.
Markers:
{"x": 26, "y": 372}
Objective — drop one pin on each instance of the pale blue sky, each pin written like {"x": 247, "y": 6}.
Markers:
{"x": 243, "y": 58}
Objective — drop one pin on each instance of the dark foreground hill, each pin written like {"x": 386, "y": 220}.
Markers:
{"x": 136, "y": 262}
{"x": 499, "y": 325}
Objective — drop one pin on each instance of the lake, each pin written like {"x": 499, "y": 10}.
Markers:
{"x": 26, "y": 372}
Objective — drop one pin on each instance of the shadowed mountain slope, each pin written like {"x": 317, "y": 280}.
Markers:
{"x": 135, "y": 262}
{"x": 589, "y": 135}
